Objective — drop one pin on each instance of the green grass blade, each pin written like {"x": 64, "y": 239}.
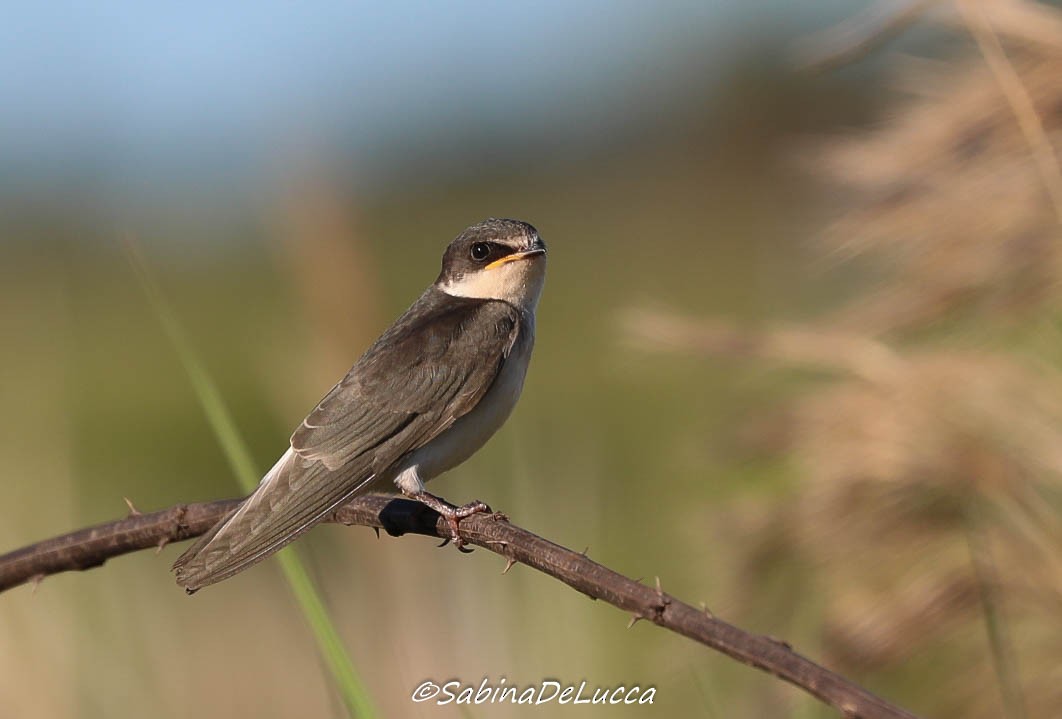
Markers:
{"x": 338, "y": 661}
{"x": 1001, "y": 648}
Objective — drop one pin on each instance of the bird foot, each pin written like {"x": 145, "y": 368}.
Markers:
{"x": 452, "y": 514}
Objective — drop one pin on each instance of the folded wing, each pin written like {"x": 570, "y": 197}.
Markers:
{"x": 432, "y": 367}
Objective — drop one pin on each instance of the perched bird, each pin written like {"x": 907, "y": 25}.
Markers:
{"x": 421, "y": 400}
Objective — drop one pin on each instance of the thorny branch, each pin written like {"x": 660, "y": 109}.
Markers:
{"x": 91, "y": 547}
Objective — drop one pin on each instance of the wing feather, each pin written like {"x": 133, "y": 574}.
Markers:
{"x": 432, "y": 367}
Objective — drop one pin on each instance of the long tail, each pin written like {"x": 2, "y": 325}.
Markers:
{"x": 293, "y": 496}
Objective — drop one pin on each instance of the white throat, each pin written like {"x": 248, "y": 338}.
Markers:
{"x": 518, "y": 283}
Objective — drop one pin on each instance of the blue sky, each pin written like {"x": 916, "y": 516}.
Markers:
{"x": 133, "y": 86}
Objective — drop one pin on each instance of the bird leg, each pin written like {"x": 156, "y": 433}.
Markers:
{"x": 451, "y": 513}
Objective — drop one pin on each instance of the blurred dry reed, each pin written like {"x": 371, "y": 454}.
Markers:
{"x": 335, "y": 276}
{"x": 930, "y": 464}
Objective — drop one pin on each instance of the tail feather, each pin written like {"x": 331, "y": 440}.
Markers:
{"x": 293, "y": 496}
{"x": 203, "y": 540}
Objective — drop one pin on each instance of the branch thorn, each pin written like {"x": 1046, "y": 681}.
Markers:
{"x": 780, "y": 642}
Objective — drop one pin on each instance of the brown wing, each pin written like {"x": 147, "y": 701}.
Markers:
{"x": 432, "y": 367}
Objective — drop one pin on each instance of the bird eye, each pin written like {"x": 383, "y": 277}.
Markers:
{"x": 480, "y": 251}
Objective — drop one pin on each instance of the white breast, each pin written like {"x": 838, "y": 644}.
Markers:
{"x": 472, "y": 431}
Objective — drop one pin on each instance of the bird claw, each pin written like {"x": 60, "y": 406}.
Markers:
{"x": 453, "y": 516}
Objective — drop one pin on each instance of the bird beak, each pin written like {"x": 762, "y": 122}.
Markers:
{"x": 537, "y": 249}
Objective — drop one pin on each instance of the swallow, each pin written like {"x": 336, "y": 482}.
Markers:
{"x": 422, "y": 399}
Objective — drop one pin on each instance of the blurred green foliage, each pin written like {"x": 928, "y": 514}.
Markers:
{"x": 631, "y": 454}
